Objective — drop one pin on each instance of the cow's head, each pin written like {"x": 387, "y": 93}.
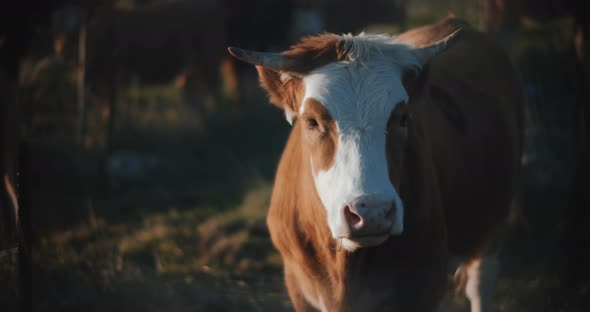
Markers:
{"x": 350, "y": 95}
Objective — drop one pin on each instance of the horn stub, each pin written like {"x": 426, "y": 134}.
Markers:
{"x": 236, "y": 52}
{"x": 273, "y": 61}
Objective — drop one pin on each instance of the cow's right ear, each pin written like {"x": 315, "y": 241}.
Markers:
{"x": 284, "y": 88}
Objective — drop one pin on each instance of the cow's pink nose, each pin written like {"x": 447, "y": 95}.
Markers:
{"x": 368, "y": 215}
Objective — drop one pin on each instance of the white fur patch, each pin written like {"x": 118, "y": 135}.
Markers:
{"x": 360, "y": 95}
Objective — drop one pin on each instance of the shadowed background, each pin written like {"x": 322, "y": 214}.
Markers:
{"x": 143, "y": 155}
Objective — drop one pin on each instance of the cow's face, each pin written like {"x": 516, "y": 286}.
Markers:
{"x": 352, "y": 112}
{"x": 349, "y": 113}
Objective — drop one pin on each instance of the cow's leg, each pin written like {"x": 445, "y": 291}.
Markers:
{"x": 481, "y": 282}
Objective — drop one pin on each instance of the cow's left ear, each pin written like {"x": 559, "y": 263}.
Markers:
{"x": 284, "y": 88}
{"x": 424, "y": 54}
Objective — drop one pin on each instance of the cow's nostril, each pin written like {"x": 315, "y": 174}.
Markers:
{"x": 353, "y": 219}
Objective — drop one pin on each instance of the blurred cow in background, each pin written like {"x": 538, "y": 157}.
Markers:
{"x": 501, "y": 16}
{"x": 157, "y": 43}
{"x": 259, "y": 24}
{"x": 349, "y": 16}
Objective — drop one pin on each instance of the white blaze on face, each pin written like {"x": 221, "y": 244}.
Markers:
{"x": 360, "y": 98}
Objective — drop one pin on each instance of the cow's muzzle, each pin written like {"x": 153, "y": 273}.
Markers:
{"x": 369, "y": 220}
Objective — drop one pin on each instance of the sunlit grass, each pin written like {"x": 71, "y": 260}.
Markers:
{"x": 167, "y": 92}
{"x": 173, "y": 241}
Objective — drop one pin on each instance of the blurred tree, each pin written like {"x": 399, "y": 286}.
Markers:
{"x": 352, "y": 16}
{"x": 156, "y": 42}
{"x": 258, "y": 25}
{"x": 18, "y": 24}
{"x": 502, "y": 17}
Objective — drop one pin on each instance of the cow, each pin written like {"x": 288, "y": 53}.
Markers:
{"x": 400, "y": 167}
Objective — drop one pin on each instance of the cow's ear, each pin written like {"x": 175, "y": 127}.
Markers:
{"x": 424, "y": 54}
{"x": 283, "y": 87}
{"x": 284, "y": 90}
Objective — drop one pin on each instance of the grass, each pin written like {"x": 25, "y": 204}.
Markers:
{"x": 172, "y": 241}
{"x": 193, "y": 222}
{"x": 208, "y": 257}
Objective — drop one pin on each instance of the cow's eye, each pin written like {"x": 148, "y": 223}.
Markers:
{"x": 311, "y": 123}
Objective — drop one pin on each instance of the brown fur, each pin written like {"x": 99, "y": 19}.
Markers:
{"x": 424, "y": 35}
{"x": 316, "y": 51}
{"x": 321, "y": 140}
{"x": 309, "y": 53}
{"x": 286, "y": 95}
{"x": 455, "y": 167}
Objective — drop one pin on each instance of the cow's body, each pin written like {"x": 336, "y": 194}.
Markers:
{"x": 474, "y": 115}
{"x": 460, "y": 169}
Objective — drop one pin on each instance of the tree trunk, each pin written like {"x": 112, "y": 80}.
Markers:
{"x": 500, "y": 19}
{"x": 15, "y": 239}
{"x": 113, "y": 99}
{"x": 8, "y": 211}
{"x": 7, "y": 159}
{"x": 24, "y": 229}
{"x": 81, "y": 83}
{"x": 582, "y": 49}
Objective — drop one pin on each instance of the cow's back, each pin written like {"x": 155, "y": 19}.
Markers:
{"x": 471, "y": 107}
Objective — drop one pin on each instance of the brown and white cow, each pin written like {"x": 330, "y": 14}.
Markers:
{"x": 404, "y": 155}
